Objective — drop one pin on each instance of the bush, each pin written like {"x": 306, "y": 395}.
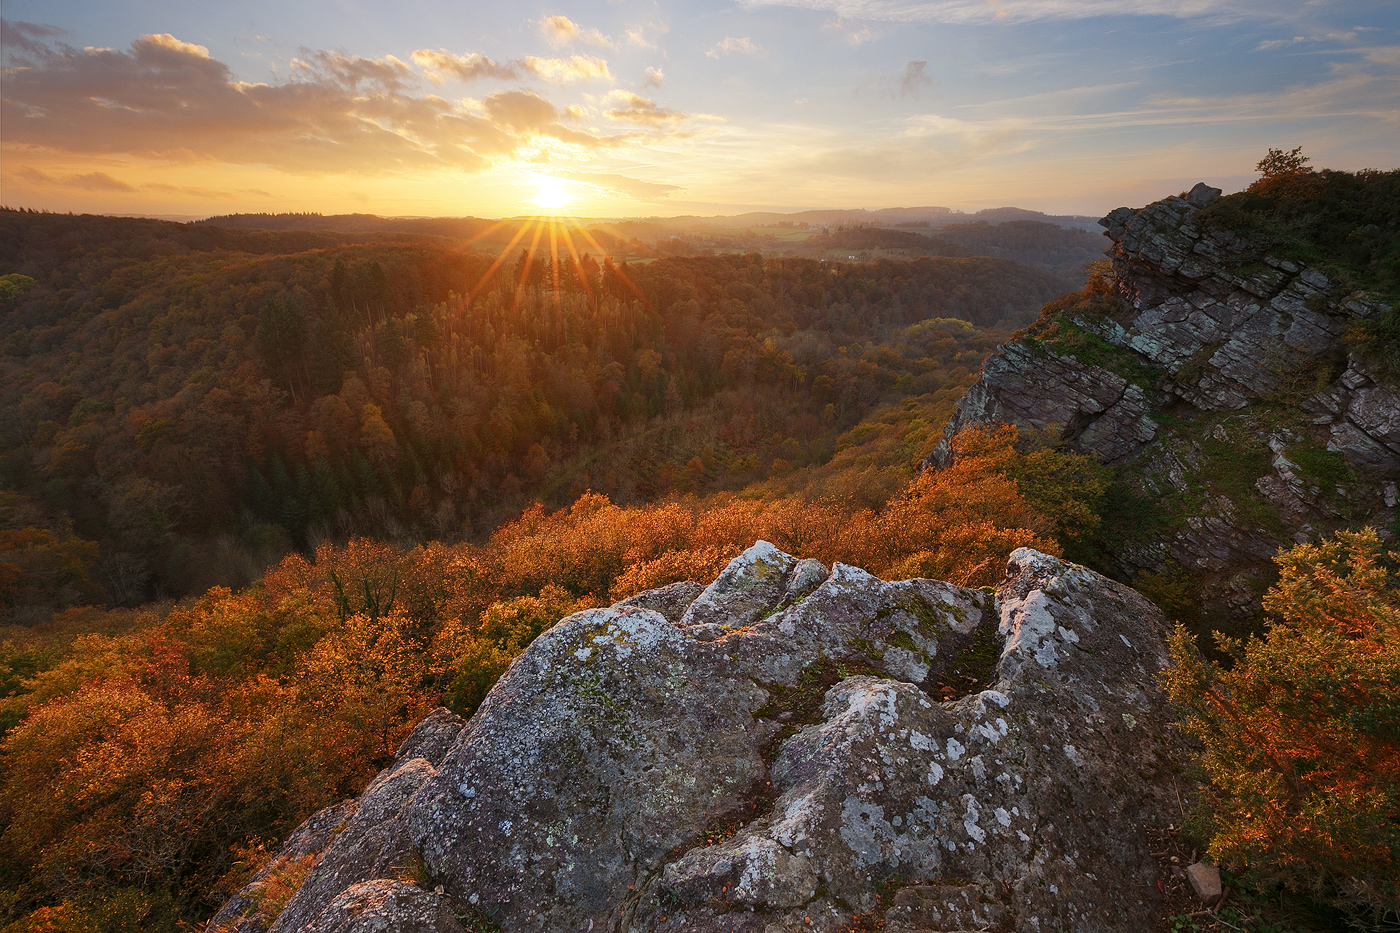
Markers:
{"x": 1301, "y": 733}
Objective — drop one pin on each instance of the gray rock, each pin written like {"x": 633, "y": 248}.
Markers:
{"x": 1212, "y": 331}
{"x": 248, "y": 910}
{"x": 923, "y": 907}
{"x": 671, "y": 601}
{"x": 624, "y": 775}
{"x": 384, "y": 906}
{"x": 1205, "y": 881}
{"x": 373, "y": 844}
{"x": 1202, "y": 194}
{"x": 750, "y": 587}
{"x": 431, "y": 738}
{"x": 346, "y": 843}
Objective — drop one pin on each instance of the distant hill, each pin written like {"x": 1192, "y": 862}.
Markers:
{"x": 1066, "y": 251}
{"x": 456, "y": 227}
{"x": 999, "y": 215}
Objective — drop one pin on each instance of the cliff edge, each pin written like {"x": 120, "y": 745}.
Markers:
{"x": 1219, "y": 380}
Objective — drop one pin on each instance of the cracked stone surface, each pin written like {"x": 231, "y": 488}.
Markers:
{"x": 1210, "y": 328}
{"x": 625, "y": 774}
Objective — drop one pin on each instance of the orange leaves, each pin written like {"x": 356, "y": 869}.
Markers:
{"x": 164, "y": 750}
{"x": 1302, "y": 732}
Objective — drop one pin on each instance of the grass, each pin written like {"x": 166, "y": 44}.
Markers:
{"x": 972, "y": 667}
{"x": 1231, "y": 469}
{"x": 801, "y": 704}
{"x": 1069, "y": 339}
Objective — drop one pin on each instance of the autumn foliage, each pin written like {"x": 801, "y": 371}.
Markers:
{"x": 149, "y": 761}
{"x": 198, "y": 401}
{"x": 1301, "y": 733}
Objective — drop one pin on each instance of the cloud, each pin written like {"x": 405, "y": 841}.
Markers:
{"x": 914, "y": 80}
{"x": 1273, "y": 44}
{"x": 577, "y": 68}
{"x": 27, "y": 37}
{"x": 470, "y": 67}
{"x": 168, "y": 99}
{"x": 1020, "y": 11}
{"x": 622, "y": 185}
{"x": 848, "y": 30}
{"x": 654, "y": 78}
{"x": 387, "y": 73}
{"x": 730, "y": 45}
{"x": 102, "y": 182}
{"x": 633, "y": 108}
{"x": 90, "y": 181}
{"x": 638, "y": 37}
{"x": 442, "y": 64}
{"x": 560, "y": 31}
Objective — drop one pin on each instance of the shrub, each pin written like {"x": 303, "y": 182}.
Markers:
{"x": 1301, "y": 733}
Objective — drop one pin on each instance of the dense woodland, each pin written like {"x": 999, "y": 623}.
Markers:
{"x": 268, "y": 497}
{"x": 187, "y": 403}
{"x": 196, "y": 401}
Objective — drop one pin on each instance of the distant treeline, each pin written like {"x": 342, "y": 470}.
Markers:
{"x": 456, "y": 227}
{"x": 1067, "y": 251}
{"x": 192, "y": 401}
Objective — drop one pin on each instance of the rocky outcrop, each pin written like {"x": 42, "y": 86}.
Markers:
{"x": 788, "y": 748}
{"x": 1220, "y": 383}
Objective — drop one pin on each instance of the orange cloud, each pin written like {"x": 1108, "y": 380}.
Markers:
{"x": 165, "y": 98}
{"x": 469, "y": 67}
{"x": 560, "y": 31}
{"x": 577, "y": 68}
{"x": 86, "y": 181}
{"x": 441, "y": 64}
{"x": 633, "y": 108}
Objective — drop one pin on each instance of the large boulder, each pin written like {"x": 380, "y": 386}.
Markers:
{"x": 796, "y": 747}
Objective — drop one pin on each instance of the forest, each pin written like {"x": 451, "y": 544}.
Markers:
{"x": 185, "y": 403}
{"x": 268, "y": 497}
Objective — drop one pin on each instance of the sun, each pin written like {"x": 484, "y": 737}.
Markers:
{"x": 553, "y": 193}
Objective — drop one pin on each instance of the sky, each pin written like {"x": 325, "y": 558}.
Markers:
{"x": 623, "y": 108}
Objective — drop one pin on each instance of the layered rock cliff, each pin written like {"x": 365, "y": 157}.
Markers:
{"x": 1219, "y": 380}
{"x": 787, "y": 749}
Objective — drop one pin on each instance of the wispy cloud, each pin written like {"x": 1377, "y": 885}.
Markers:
{"x": 472, "y": 66}
{"x": 851, "y": 32}
{"x": 633, "y": 108}
{"x": 633, "y": 188}
{"x": 441, "y": 64}
{"x": 1017, "y": 11}
{"x": 640, "y": 37}
{"x": 730, "y": 45}
{"x": 655, "y": 78}
{"x": 576, "y": 68}
{"x": 88, "y": 181}
{"x": 105, "y": 183}
{"x": 560, "y": 31}
{"x": 1270, "y": 45}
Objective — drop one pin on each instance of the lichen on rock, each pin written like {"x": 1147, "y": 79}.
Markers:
{"x": 629, "y": 773}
